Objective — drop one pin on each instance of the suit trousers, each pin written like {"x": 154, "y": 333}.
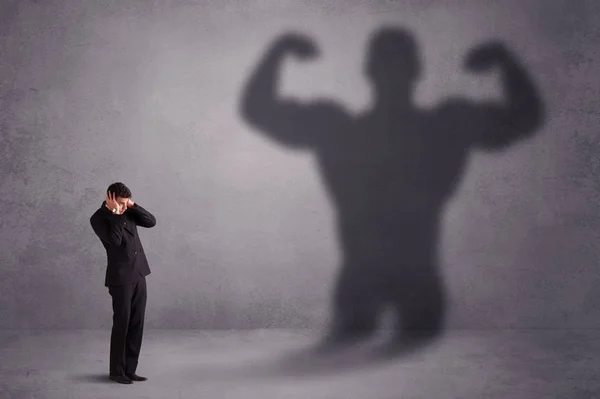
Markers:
{"x": 129, "y": 307}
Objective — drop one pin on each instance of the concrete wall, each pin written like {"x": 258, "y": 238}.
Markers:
{"x": 147, "y": 92}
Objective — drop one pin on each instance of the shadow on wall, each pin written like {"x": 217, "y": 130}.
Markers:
{"x": 390, "y": 171}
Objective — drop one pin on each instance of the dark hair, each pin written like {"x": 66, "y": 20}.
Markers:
{"x": 120, "y": 190}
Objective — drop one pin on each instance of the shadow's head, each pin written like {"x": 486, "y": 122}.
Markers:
{"x": 393, "y": 60}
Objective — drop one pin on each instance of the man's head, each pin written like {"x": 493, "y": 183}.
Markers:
{"x": 121, "y": 192}
{"x": 393, "y": 60}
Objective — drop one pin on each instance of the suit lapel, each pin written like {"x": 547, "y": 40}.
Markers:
{"x": 129, "y": 227}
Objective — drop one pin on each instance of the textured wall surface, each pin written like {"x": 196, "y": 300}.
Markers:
{"x": 147, "y": 92}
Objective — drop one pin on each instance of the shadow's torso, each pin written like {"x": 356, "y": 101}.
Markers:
{"x": 389, "y": 177}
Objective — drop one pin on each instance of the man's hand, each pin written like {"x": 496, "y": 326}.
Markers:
{"x": 111, "y": 203}
{"x": 130, "y": 203}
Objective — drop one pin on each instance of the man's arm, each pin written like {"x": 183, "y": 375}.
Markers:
{"x": 141, "y": 216}
{"x": 284, "y": 120}
{"x": 108, "y": 226}
{"x": 497, "y": 125}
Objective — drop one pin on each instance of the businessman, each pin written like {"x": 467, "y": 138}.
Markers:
{"x": 115, "y": 223}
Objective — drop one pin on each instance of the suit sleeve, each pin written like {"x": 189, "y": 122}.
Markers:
{"x": 142, "y": 217}
{"x": 108, "y": 227}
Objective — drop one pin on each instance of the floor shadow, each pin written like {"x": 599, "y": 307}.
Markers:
{"x": 307, "y": 362}
{"x": 93, "y": 378}
{"x": 321, "y": 361}
{"x": 389, "y": 172}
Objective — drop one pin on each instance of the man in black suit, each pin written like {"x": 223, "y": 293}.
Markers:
{"x": 115, "y": 223}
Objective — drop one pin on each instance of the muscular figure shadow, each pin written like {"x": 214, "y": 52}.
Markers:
{"x": 391, "y": 170}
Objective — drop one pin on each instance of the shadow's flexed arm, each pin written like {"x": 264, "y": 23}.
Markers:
{"x": 286, "y": 121}
{"x": 496, "y": 125}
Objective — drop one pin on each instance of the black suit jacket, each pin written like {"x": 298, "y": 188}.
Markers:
{"x": 119, "y": 235}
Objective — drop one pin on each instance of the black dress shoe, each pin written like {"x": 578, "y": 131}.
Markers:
{"x": 121, "y": 379}
{"x": 135, "y": 377}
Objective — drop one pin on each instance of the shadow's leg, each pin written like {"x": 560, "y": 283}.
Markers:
{"x": 419, "y": 299}
{"x": 356, "y": 305}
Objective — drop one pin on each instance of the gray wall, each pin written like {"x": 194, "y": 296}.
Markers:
{"x": 146, "y": 92}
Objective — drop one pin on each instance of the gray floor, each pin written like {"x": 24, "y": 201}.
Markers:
{"x": 274, "y": 364}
